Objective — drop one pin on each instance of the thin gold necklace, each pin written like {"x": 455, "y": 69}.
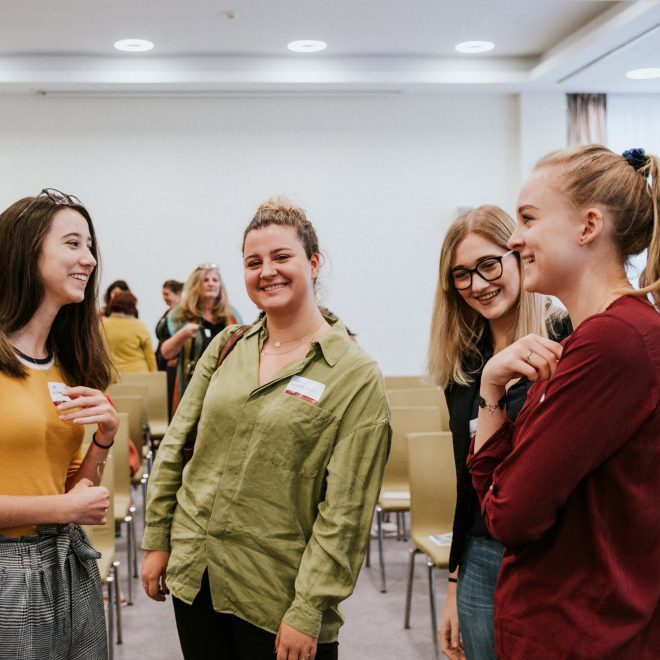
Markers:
{"x": 305, "y": 338}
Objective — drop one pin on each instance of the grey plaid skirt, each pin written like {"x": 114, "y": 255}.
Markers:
{"x": 51, "y": 603}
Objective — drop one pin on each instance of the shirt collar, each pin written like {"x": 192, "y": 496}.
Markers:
{"x": 333, "y": 345}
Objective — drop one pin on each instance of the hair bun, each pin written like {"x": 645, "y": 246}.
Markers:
{"x": 636, "y": 157}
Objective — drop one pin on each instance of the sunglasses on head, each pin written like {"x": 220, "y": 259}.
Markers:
{"x": 56, "y": 196}
{"x": 207, "y": 267}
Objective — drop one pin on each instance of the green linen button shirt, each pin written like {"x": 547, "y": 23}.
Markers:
{"x": 278, "y": 498}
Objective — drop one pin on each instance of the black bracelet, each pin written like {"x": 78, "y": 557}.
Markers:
{"x": 451, "y": 579}
{"x": 98, "y": 444}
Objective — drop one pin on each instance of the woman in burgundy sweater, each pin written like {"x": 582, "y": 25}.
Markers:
{"x": 572, "y": 489}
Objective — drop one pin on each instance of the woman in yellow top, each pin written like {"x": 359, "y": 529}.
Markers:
{"x": 263, "y": 533}
{"x": 128, "y": 339}
{"x": 53, "y": 366}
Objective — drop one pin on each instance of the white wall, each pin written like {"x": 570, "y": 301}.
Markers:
{"x": 172, "y": 183}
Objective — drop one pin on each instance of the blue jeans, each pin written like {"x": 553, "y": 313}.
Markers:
{"x": 477, "y": 576}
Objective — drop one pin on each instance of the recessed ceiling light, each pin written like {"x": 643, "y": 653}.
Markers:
{"x": 474, "y": 46}
{"x": 134, "y": 45}
{"x": 307, "y": 46}
{"x": 644, "y": 74}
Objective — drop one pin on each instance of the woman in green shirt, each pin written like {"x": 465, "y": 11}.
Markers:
{"x": 264, "y": 531}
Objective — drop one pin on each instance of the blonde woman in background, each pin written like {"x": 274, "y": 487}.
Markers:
{"x": 204, "y": 311}
{"x": 479, "y": 310}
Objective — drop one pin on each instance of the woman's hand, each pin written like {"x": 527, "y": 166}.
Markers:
{"x": 88, "y": 406}
{"x": 86, "y": 504}
{"x": 449, "y": 632}
{"x": 532, "y": 356}
{"x": 291, "y": 644}
{"x": 190, "y": 329}
{"x": 154, "y": 574}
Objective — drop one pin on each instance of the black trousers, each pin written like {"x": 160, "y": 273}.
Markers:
{"x": 205, "y": 634}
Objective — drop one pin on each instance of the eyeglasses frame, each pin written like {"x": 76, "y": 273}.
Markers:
{"x": 475, "y": 270}
{"x": 69, "y": 200}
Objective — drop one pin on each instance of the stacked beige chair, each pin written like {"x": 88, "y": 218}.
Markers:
{"x": 143, "y": 442}
{"x": 406, "y": 382}
{"x": 156, "y": 384}
{"x": 433, "y": 500}
{"x": 102, "y": 538}
{"x": 124, "y": 511}
{"x": 395, "y": 491}
{"x": 133, "y": 406}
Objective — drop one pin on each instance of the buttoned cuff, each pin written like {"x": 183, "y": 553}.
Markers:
{"x": 156, "y": 538}
{"x": 482, "y": 464}
{"x": 304, "y": 618}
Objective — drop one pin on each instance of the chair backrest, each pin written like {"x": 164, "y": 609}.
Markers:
{"x": 415, "y": 396}
{"x": 132, "y": 405}
{"x": 120, "y": 461}
{"x": 403, "y": 382}
{"x": 156, "y": 384}
{"x": 102, "y": 537}
{"x": 432, "y": 482}
{"x": 406, "y": 419}
{"x": 132, "y": 389}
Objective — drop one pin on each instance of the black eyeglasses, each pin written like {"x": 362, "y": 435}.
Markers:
{"x": 57, "y": 197}
{"x": 489, "y": 269}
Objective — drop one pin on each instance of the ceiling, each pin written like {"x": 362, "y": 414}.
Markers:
{"x": 379, "y": 47}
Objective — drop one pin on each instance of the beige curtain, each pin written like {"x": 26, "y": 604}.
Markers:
{"x": 586, "y": 118}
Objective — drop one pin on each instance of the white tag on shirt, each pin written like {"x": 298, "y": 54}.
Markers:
{"x": 305, "y": 388}
{"x": 207, "y": 332}
{"x": 56, "y": 390}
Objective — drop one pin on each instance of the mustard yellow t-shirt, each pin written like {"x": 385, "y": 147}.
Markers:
{"x": 38, "y": 451}
{"x": 129, "y": 343}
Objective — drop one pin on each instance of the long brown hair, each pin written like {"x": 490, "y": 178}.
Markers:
{"x": 629, "y": 189}
{"x": 457, "y": 330}
{"x": 74, "y": 337}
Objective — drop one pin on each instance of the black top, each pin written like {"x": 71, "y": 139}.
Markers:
{"x": 461, "y": 402}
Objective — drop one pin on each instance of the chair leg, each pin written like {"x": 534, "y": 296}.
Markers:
{"x": 434, "y": 614}
{"x": 404, "y": 526}
{"x": 367, "y": 561}
{"x": 115, "y": 566}
{"x": 131, "y": 510}
{"x": 130, "y": 530}
{"x": 143, "y": 482}
{"x": 111, "y": 613}
{"x": 381, "y": 555}
{"x": 409, "y": 586}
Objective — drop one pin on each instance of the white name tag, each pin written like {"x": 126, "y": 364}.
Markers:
{"x": 56, "y": 390}
{"x": 305, "y": 388}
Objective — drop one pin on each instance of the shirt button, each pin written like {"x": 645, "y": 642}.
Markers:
{"x": 490, "y": 487}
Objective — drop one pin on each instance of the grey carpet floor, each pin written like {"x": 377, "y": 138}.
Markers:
{"x": 374, "y": 621}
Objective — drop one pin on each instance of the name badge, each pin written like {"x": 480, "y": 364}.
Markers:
{"x": 55, "y": 390}
{"x": 305, "y": 388}
{"x": 207, "y": 332}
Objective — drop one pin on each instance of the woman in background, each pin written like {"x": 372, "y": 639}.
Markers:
{"x": 479, "y": 310}
{"x": 128, "y": 339}
{"x": 572, "y": 488}
{"x": 204, "y": 311}
{"x": 263, "y": 534}
{"x": 172, "y": 290}
{"x": 113, "y": 289}
{"x": 51, "y": 352}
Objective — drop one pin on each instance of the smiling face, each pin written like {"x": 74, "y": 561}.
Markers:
{"x": 210, "y": 284}
{"x": 495, "y": 300}
{"x": 278, "y": 274}
{"x": 547, "y": 235}
{"x": 170, "y": 297}
{"x": 66, "y": 260}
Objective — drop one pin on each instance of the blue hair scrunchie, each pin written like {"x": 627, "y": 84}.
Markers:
{"x": 636, "y": 158}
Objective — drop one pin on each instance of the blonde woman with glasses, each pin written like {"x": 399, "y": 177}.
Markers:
{"x": 480, "y": 309}
{"x": 204, "y": 311}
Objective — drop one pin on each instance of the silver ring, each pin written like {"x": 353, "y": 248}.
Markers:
{"x": 528, "y": 358}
